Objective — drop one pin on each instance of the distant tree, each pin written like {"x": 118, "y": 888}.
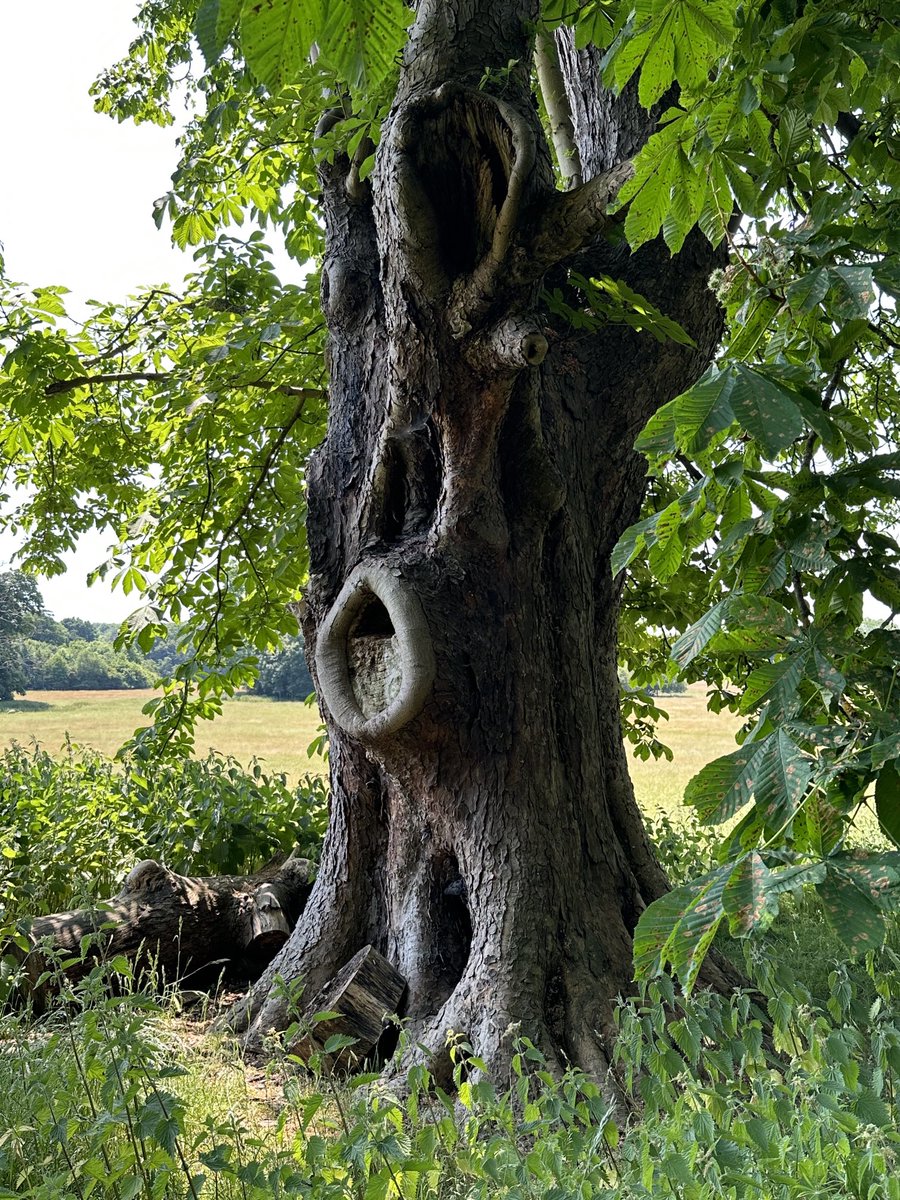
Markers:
{"x": 43, "y": 628}
{"x": 81, "y": 664}
{"x": 88, "y": 631}
{"x": 20, "y": 601}
{"x": 283, "y": 674}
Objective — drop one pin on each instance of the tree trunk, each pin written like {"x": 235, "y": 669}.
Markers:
{"x": 178, "y": 927}
{"x": 476, "y": 475}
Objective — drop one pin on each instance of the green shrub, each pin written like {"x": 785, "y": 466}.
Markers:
{"x": 70, "y": 828}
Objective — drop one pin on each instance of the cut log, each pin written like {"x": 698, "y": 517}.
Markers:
{"x": 176, "y": 926}
{"x": 364, "y": 994}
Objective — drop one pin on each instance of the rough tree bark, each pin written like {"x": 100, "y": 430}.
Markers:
{"x": 477, "y": 472}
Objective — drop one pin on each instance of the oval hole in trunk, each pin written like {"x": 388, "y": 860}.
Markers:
{"x": 373, "y": 659}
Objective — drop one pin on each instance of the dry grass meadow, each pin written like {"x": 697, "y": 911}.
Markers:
{"x": 279, "y": 732}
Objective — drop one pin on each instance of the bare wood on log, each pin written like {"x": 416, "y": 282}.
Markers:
{"x": 178, "y": 925}
{"x": 364, "y": 992}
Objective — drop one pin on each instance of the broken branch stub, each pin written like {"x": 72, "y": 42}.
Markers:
{"x": 374, "y": 656}
{"x": 363, "y": 995}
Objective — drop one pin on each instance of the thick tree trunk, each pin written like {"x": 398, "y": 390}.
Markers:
{"x": 477, "y": 473}
{"x": 178, "y": 927}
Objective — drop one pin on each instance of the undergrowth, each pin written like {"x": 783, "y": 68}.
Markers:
{"x": 72, "y": 827}
{"x": 108, "y": 1098}
{"x": 114, "y": 1096}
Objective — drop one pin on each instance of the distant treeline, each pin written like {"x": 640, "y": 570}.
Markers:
{"x": 75, "y": 654}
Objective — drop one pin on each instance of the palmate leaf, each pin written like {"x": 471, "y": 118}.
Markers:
{"x": 276, "y": 37}
{"x": 696, "y": 636}
{"x": 748, "y": 899}
{"x": 855, "y": 918}
{"x": 765, "y": 410}
{"x": 783, "y": 775}
{"x": 358, "y": 39}
{"x": 363, "y": 38}
{"x": 637, "y": 309}
{"x": 887, "y": 801}
{"x": 213, "y": 26}
{"x": 704, "y": 410}
{"x": 876, "y": 875}
{"x": 658, "y": 529}
{"x": 774, "y": 682}
{"x": 761, "y": 613}
{"x": 677, "y": 930}
{"x": 725, "y": 785}
{"x": 805, "y": 293}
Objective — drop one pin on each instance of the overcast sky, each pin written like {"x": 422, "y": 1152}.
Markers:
{"x": 77, "y": 195}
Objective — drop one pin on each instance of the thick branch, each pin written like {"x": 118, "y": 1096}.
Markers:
{"x": 556, "y": 102}
{"x": 569, "y": 222}
{"x": 59, "y": 386}
{"x": 70, "y": 385}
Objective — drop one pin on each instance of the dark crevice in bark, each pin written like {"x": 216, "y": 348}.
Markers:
{"x": 463, "y": 157}
{"x": 450, "y": 934}
{"x": 555, "y": 1011}
{"x": 374, "y": 621}
{"x": 412, "y": 469}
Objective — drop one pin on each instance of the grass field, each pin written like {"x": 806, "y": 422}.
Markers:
{"x": 279, "y": 732}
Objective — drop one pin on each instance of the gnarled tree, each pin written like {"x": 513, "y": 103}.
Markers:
{"x": 514, "y": 283}
{"x": 476, "y": 474}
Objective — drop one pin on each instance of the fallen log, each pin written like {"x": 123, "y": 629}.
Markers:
{"x": 176, "y": 926}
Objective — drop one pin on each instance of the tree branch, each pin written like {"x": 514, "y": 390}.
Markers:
{"x": 569, "y": 221}
{"x": 59, "y": 386}
{"x": 556, "y": 102}
{"x": 70, "y": 385}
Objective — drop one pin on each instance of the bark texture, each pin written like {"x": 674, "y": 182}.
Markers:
{"x": 478, "y": 470}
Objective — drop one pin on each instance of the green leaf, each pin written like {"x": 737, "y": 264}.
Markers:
{"x": 765, "y": 410}
{"x": 658, "y": 435}
{"x": 872, "y": 1110}
{"x": 751, "y": 330}
{"x": 704, "y": 410}
{"x": 276, "y": 37}
{"x": 214, "y": 26}
{"x": 696, "y": 636}
{"x": 887, "y": 800}
{"x": 362, "y": 39}
{"x": 748, "y": 900}
{"x": 775, "y": 681}
{"x": 854, "y": 917}
{"x": 725, "y": 785}
{"x": 858, "y": 287}
{"x": 783, "y": 775}
{"x": 807, "y": 292}
{"x": 679, "y": 928}
{"x": 658, "y": 69}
